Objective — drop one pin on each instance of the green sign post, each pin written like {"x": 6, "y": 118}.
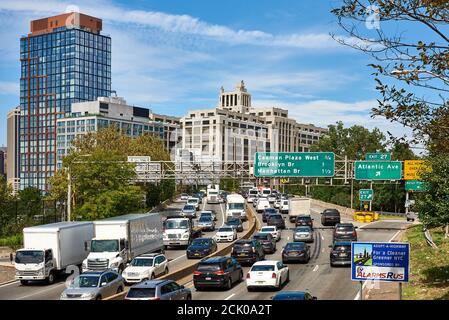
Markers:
{"x": 414, "y": 185}
{"x": 378, "y": 170}
{"x": 366, "y": 194}
{"x": 378, "y": 157}
{"x": 294, "y": 164}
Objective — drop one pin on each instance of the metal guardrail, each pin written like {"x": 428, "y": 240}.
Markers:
{"x": 186, "y": 271}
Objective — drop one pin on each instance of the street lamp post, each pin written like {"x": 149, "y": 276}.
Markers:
{"x": 69, "y": 187}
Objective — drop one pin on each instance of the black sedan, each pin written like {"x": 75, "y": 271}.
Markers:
{"x": 235, "y": 223}
{"x": 201, "y": 247}
{"x": 296, "y": 252}
{"x": 276, "y": 220}
{"x": 267, "y": 212}
{"x": 267, "y": 241}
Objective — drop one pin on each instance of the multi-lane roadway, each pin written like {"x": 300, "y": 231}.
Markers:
{"x": 316, "y": 276}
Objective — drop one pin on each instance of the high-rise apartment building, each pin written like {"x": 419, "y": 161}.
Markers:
{"x": 235, "y": 130}
{"x": 64, "y": 59}
{"x": 12, "y": 140}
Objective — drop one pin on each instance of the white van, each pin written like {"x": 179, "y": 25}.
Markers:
{"x": 262, "y": 204}
{"x": 212, "y": 194}
{"x": 235, "y": 206}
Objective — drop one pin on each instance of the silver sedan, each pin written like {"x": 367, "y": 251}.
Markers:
{"x": 94, "y": 286}
{"x": 303, "y": 233}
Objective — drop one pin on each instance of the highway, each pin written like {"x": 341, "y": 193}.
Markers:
{"x": 317, "y": 276}
{"x": 41, "y": 291}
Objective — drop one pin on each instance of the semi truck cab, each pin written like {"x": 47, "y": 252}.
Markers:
{"x": 106, "y": 254}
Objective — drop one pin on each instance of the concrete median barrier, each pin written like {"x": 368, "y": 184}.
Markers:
{"x": 184, "y": 275}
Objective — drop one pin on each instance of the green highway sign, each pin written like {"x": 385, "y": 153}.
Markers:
{"x": 366, "y": 194}
{"x": 378, "y": 156}
{"x": 294, "y": 164}
{"x": 378, "y": 170}
{"x": 414, "y": 185}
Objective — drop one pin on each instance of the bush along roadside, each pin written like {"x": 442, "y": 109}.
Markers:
{"x": 14, "y": 241}
{"x": 429, "y": 268}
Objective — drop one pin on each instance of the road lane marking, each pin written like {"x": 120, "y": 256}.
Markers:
{"x": 204, "y": 204}
{"x": 230, "y": 296}
{"x": 315, "y": 269}
{"x": 322, "y": 237}
{"x": 322, "y": 250}
{"x": 183, "y": 256}
{"x": 8, "y": 284}
{"x": 41, "y": 291}
{"x": 288, "y": 238}
{"x": 395, "y": 235}
{"x": 222, "y": 214}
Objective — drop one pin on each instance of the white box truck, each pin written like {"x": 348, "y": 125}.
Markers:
{"x": 235, "y": 206}
{"x": 119, "y": 239}
{"x": 49, "y": 249}
{"x": 212, "y": 194}
{"x": 298, "y": 207}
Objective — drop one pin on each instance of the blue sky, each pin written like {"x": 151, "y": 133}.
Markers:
{"x": 174, "y": 55}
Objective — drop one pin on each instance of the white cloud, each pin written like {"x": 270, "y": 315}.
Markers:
{"x": 325, "y": 112}
{"x": 180, "y": 24}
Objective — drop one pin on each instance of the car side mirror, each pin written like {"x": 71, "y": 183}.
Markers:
{"x": 103, "y": 284}
{"x": 127, "y": 264}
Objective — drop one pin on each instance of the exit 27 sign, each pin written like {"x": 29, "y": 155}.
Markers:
{"x": 366, "y": 194}
{"x": 378, "y": 170}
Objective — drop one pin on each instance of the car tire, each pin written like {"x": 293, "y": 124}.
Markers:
{"x": 189, "y": 297}
{"x": 284, "y": 261}
{"x": 278, "y": 286}
{"x": 24, "y": 282}
{"x": 152, "y": 276}
{"x": 120, "y": 269}
{"x": 166, "y": 271}
{"x": 287, "y": 280}
{"x": 229, "y": 284}
{"x": 98, "y": 297}
{"x": 119, "y": 290}
{"x": 51, "y": 278}
{"x": 241, "y": 276}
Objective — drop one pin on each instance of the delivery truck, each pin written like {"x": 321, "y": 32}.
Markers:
{"x": 49, "y": 249}
{"x": 119, "y": 239}
{"x": 236, "y": 207}
{"x": 298, "y": 207}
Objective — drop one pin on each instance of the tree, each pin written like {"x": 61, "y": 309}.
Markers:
{"x": 30, "y": 202}
{"x": 432, "y": 205}
{"x": 353, "y": 142}
{"x": 101, "y": 175}
{"x": 404, "y": 57}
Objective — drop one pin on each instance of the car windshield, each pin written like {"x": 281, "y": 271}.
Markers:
{"x": 205, "y": 219}
{"x": 266, "y": 192}
{"x": 104, "y": 246}
{"x": 184, "y": 195}
{"x": 275, "y": 217}
{"x": 141, "y": 293}
{"x": 85, "y": 281}
{"x": 261, "y": 236}
{"x": 285, "y": 203}
{"x": 192, "y": 201}
{"x": 262, "y": 267}
{"x": 345, "y": 228}
{"x": 236, "y": 206}
{"x": 189, "y": 207}
{"x": 342, "y": 248}
{"x": 253, "y": 192}
{"x": 176, "y": 224}
{"x": 233, "y": 221}
{"x": 270, "y": 210}
{"x": 302, "y": 229}
{"x": 201, "y": 242}
{"x": 30, "y": 256}
{"x": 213, "y": 193}
{"x": 225, "y": 230}
{"x": 268, "y": 229}
{"x": 206, "y": 267}
{"x": 142, "y": 262}
{"x": 285, "y": 296}
{"x": 295, "y": 246}
{"x": 304, "y": 218}
{"x": 242, "y": 245}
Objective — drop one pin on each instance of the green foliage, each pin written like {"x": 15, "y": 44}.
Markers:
{"x": 230, "y": 184}
{"x": 433, "y": 205}
{"x": 101, "y": 175}
{"x": 353, "y": 142}
{"x": 15, "y": 241}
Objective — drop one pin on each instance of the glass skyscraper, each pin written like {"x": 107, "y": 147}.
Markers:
{"x": 64, "y": 60}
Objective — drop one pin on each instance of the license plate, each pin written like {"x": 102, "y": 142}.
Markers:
{"x": 208, "y": 278}
{"x": 242, "y": 254}
{"x": 343, "y": 254}
{"x": 197, "y": 254}
{"x": 260, "y": 282}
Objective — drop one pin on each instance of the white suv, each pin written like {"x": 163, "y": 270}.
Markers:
{"x": 145, "y": 267}
{"x": 226, "y": 234}
{"x": 275, "y": 232}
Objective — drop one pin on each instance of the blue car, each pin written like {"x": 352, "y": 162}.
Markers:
{"x": 293, "y": 295}
{"x": 189, "y": 211}
{"x": 201, "y": 247}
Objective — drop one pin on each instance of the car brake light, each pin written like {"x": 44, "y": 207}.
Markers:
{"x": 248, "y": 276}
{"x": 197, "y": 273}
{"x": 219, "y": 273}
{"x": 354, "y": 233}
{"x": 273, "y": 275}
